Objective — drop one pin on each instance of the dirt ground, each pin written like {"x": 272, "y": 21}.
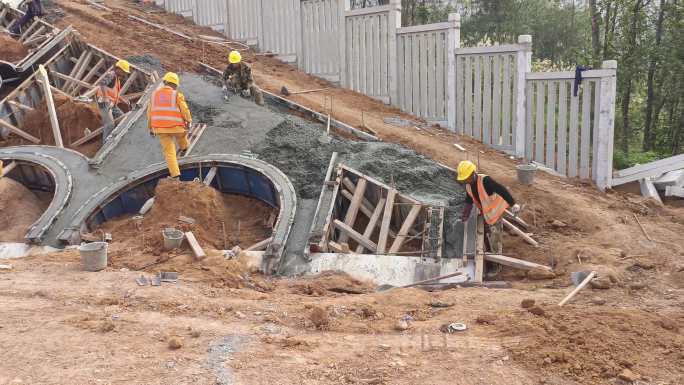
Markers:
{"x": 19, "y": 209}
{"x": 74, "y": 118}
{"x": 11, "y": 50}
{"x": 220, "y": 221}
{"x": 235, "y": 326}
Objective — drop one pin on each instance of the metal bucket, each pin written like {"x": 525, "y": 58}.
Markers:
{"x": 172, "y": 238}
{"x": 526, "y": 173}
{"x": 93, "y": 256}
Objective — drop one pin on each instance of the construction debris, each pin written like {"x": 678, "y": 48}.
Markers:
{"x": 197, "y": 250}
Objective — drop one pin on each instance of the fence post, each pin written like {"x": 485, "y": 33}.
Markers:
{"x": 345, "y": 5}
{"x": 523, "y": 66}
{"x": 394, "y": 21}
{"x": 453, "y": 42}
{"x": 603, "y": 149}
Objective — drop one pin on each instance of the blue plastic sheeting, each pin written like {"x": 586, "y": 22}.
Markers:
{"x": 229, "y": 180}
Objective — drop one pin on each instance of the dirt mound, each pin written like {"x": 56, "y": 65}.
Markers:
{"x": 330, "y": 282}
{"x": 73, "y": 118}
{"x": 594, "y": 346}
{"x": 11, "y": 50}
{"x": 242, "y": 218}
{"x": 19, "y": 208}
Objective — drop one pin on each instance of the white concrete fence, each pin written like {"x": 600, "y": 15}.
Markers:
{"x": 487, "y": 93}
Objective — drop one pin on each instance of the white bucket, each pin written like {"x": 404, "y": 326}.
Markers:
{"x": 93, "y": 256}
{"x": 172, "y": 238}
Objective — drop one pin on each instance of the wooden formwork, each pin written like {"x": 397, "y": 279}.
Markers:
{"x": 368, "y": 216}
{"x": 73, "y": 71}
{"x": 33, "y": 36}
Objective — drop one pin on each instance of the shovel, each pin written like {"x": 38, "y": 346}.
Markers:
{"x": 286, "y": 92}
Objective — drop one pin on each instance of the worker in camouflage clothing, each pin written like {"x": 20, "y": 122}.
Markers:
{"x": 238, "y": 79}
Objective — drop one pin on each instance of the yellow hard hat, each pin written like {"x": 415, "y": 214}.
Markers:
{"x": 124, "y": 65}
{"x": 465, "y": 169}
{"x": 172, "y": 78}
{"x": 234, "y": 57}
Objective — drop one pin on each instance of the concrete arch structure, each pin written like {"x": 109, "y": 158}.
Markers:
{"x": 235, "y": 174}
{"x": 60, "y": 182}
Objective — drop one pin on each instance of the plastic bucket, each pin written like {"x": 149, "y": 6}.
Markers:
{"x": 172, "y": 238}
{"x": 93, "y": 256}
{"x": 526, "y": 173}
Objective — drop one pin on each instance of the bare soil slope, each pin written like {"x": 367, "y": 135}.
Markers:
{"x": 11, "y": 50}
{"x": 19, "y": 209}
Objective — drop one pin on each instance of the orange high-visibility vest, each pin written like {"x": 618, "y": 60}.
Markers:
{"x": 113, "y": 94}
{"x": 165, "y": 112}
{"x": 492, "y": 206}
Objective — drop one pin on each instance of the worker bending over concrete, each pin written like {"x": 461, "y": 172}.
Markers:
{"x": 169, "y": 118}
{"x": 237, "y": 77}
{"x": 491, "y": 198}
{"x": 109, "y": 96}
{"x": 33, "y": 9}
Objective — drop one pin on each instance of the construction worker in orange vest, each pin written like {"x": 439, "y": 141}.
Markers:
{"x": 490, "y": 197}
{"x": 169, "y": 118}
{"x": 109, "y": 96}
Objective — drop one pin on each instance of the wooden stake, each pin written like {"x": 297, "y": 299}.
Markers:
{"x": 578, "y": 288}
{"x": 51, "y": 107}
{"x": 643, "y": 230}
{"x": 514, "y": 262}
{"x": 261, "y": 245}
{"x": 210, "y": 176}
{"x": 19, "y": 132}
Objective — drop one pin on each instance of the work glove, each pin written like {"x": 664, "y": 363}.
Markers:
{"x": 246, "y": 94}
{"x": 152, "y": 134}
{"x": 515, "y": 209}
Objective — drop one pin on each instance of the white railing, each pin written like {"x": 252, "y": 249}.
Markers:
{"x": 487, "y": 93}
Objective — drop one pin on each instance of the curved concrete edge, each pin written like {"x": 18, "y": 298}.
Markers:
{"x": 63, "y": 187}
{"x": 283, "y": 186}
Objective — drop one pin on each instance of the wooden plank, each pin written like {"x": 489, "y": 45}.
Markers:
{"x": 578, "y": 288}
{"x": 127, "y": 84}
{"x": 562, "y": 150}
{"x": 519, "y": 232}
{"x": 486, "y": 99}
{"x": 551, "y": 127}
{"x": 96, "y": 133}
{"x": 477, "y": 104}
{"x": 506, "y": 125}
{"x": 585, "y": 131}
{"x": 19, "y": 132}
{"x": 468, "y": 96}
{"x": 573, "y": 133}
{"x": 514, "y": 262}
{"x": 372, "y": 222}
{"x": 74, "y": 69}
{"x": 353, "y": 210}
{"x": 93, "y": 71}
{"x": 210, "y": 176}
{"x": 339, "y": 248}
{"x": 79, "y": 74}
{"x": 386, "y": 219}
{"x": 479, "y": 251}
{"x": 261, "y": 245}
{"x": 353, "y": 234}
{"x": 195, "y": 246}
{"x": 539, "y": 125}
{"x": 405, "y": 227}
{"x": 51, "y": 107}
